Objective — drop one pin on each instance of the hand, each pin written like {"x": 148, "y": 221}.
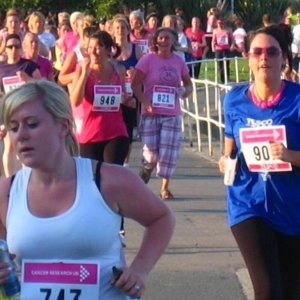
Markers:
{"x": 130, "y": 281}
{"x": 130, "y": 72}
{"x": 2, "y": 132}
{"x": 131, "y": 102}
{"x": 149, "y": 108}
{"x": 3, "y": 57}
{"x": 279, "y": 151}
{"x": 85, "y": 66}
{"x": 180, "y": 91}
{"x": 222, "y": 163}
{"x": 5, "y": 269}
{"x": 23, "y": 76}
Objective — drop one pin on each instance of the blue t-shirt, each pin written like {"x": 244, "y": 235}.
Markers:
{"x": 273, "y": 196}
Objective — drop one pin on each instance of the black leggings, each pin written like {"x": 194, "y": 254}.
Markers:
{"x": 272, "y": 259}
{"x": 112, "y": 151}
{"x": 223, "y": 54}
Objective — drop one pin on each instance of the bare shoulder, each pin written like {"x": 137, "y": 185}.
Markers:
{"x": 114, "y": 177}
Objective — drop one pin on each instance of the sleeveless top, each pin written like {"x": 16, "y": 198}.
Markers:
{"x": 129, "y": 113}
{"x": 88, "y": 230}
{"x": 131, "y": 61}
{"x": 98, "y": 126}
{"x": 223, "y": 41}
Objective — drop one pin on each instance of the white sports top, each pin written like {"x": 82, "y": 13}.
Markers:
{"x": 87, "y": 230}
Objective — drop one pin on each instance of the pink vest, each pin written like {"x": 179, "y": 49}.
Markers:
{"x": 100, "y": 126}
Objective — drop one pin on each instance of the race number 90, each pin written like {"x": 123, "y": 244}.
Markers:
{"x": 261, "y": 153}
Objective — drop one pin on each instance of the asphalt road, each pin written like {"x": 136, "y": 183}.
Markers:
{"x": 202, "y": 260}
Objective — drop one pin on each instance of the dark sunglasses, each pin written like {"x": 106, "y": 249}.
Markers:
{"x": 13, "y": 46}
{"x": 270, "y": 51}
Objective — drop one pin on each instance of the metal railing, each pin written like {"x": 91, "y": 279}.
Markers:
{"x": 203, "y": 122}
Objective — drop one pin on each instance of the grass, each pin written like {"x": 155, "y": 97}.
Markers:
{"x": 243, "y": 70}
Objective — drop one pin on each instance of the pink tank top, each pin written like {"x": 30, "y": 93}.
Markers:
{"x": 98, "y": 126}
{"x": 222, "y": 40}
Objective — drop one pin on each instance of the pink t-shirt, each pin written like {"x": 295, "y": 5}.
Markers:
{"x": 162, "y": 72}
{"x": 69, "y": 42}
{"x": 99, "y": 126}
{"x": 45, "y": 65}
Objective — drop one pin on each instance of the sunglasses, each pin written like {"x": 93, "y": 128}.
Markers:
{"x": 13, "y": 46}
{"x": 270, "y": 51}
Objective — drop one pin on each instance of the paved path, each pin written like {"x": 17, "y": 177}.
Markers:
{"x": 202, "y": 260}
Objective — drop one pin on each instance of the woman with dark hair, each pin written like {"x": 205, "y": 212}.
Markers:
{"x": 262, "y": 126}
{"x": 14, "y": 72}
{"x": 157, "y": 85}
{"x": 221, "y": 43}
{"x": 15, "y": 65}
{"x": 98, "y": 84}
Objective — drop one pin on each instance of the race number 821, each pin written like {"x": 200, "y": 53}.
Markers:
{"x": 163, "y": 98}
{"x": 72, "y": 294}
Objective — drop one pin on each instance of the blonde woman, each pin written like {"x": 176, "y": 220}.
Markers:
{"x": 129, "y": 56}
{"x": 36, "y": 24}
{"x": 67, "y": 210}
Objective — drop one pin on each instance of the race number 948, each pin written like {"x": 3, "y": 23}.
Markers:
{"x": 108, "y": 100}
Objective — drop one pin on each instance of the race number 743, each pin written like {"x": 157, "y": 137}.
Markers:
{"x": 72, "y": 294}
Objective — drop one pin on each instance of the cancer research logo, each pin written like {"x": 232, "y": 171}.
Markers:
{"x": 62, "y": 272}
{"x": 84, "y": 273}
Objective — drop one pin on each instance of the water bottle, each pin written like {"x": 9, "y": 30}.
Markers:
{"x": 11, "y": 287}
{"x": 230, "y": 169}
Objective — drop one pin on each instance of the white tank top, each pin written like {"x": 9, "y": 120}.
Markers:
{"x": 87, "y": 230}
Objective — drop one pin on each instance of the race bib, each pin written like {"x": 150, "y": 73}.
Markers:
{"x": 128, "y": 89}
{"x": 223, "y": 40}
{"x": 163, "y": 97}
{"x": 107, "y": 98}
{"x": 10, "y": 83}
{"x": 143, "y": 44}
{"x": 256, "y": 148}
{"x": 63, "y": 280}
{"x": 195, "y": 46}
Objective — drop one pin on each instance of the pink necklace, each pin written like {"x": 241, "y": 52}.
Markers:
{"x": 265, "y": 103}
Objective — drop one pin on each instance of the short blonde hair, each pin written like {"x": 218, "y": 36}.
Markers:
{"x": 54, "y": 99}
{"x": 76, "y": 15}
{"x": 36, "y": 15}
{"x": 121, "y": 19}
{"x": 63, "y": 16}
